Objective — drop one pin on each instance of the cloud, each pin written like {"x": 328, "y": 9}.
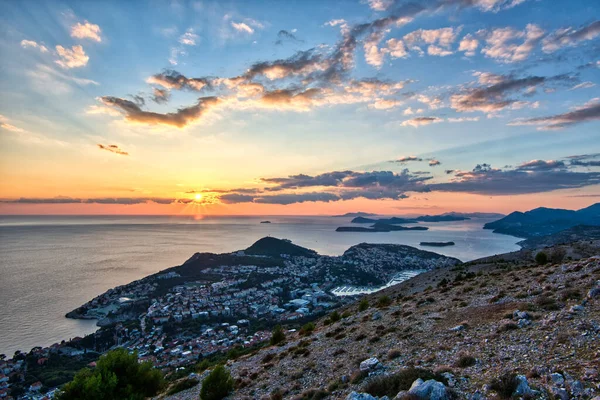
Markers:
{"x": 4, "y": 124}
{"x": 495, "y": 96}
{"x": 102, "y": 200}
{"x": 462, "y": 119}
{"x": 283, "y": 35}
{"x": 34, "y": 45}
{"x": 405, "y": 159}
{"x": 583, "y": 85}
{"x": 438, "y": 40}
{"x": 86, "y": 31}
{"x": 385, "y": 104}
{"x": 242, "y": 27}
{"x": 380, "y": 5}
{"x": 541, "y": 165}
{"x": 433, "y": 163}
{"x": 567, "y": 37}
{"x": 468, "y": 45}
{"x": 484, "y": 179}
{"x": 420, "y": 121}
{"x": 171, "y": 79}
{"x": 113, "y": 148}
{"x": 509, "y": 45}
{"x": 180, "y": 119}
{"x": 586, "y": 113}
{"x": 71, "y": 58}
{"x": 396, "y": 48}
{"x": 189, "y": 38}
{"x": 160, "y": 96}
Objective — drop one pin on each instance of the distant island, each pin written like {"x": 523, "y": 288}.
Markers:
{"x": 544, "y": 221}
{"x": 380, "y": 227}
{"x": 265, "y": 222}
{"x": 423, "y": 218}
{"x": 437, "y": 244}
{"x": 355, "y": 214}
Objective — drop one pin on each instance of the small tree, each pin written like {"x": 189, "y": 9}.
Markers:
{"x": 541, "y": 258}
{"x": 363, "y": 305}
{"x": 307, "y": 329}
{"x": 384, "y": 301}
{"x": 335, "y": 316}
{"x": 117, "y": 375}
{"x": 278, "y": 335}
{"x": 217, "y": 385}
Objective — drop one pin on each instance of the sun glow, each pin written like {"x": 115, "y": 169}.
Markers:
{"x": 198, "y": 197}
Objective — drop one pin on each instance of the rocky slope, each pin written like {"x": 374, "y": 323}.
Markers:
{"x": 492, "y": 328}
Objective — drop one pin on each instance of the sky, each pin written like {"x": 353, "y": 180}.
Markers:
{"x": 298, "y": 107}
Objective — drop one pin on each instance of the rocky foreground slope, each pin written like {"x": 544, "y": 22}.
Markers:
{"x": 496, "y": 328}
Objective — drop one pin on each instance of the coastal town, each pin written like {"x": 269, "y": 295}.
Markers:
{"x": 215, "y": 303}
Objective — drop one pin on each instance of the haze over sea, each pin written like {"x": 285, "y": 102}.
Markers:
{"x": 50, "y": 265}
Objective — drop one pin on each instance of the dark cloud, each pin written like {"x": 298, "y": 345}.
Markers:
{"x": 291, "y": 198}
{"x": 179, "y": 119}
{"x": 284, "y": 35}
{"x": 484, "y": 179}
{"x": 170, "y": 79}
{"x": 449, "y": 171}
{"x": 433, "y": 163}
{"x": 495, "y": 97}
{"x": 586, "y": 113}
{"x": 161, "y": 96}
{"x": 585, "y": 160}
{"x": 103, "y": 200}
{"x": 113, "y": 148}
{"x": 334, "y": 178}
{"x": 408, "y": 158}
{"x": 570, "y": 37}
{"x": 139, "y": 100}
{"x": 541, "y": 165}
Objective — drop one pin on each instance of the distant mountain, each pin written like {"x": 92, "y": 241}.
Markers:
{"x": 544, "y": 221}
{"x": 392, "y": 220}
{"x": 574, "y": 234}
{"x": 380, "y": 227}
{"x": 441, "y": 218}
{"x": 355, "y": 214}
{"x": 475, "y": 215}
{"x": 270, "y": 246}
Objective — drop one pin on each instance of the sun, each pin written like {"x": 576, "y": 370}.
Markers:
{"x": 198, "y": 197}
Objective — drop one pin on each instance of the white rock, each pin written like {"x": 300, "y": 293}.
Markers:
{"x": 557, "y": 378}
{"x": 369, "y": 364}
{"x": 523, "y": 386}
{"x": 360, "y": 396}
{"x": 430, "y": 390}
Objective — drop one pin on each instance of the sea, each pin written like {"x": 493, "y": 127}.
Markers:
{"x": 50, "y": 265}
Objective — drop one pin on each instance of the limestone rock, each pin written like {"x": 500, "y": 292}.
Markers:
{"x": 431, "y": 390}
{"x": 369, "y": 364}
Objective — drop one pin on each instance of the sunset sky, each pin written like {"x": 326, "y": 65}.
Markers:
{"x": 298, "y": 107}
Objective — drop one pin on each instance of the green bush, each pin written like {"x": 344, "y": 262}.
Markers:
{"x": 541, "y": 258}
{"x": 384, "y": 301}
{"x": 217, "y": 385}
{"x": 278, "y": 335}
{"x": 117, "y": 375}
{"x": 334, "y": 316}
{"x": 363, "y": 305}
{"x": 307, "y": 329}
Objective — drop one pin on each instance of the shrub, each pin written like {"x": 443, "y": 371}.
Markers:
{"x": 394, "y": 353}
{"x": 314, "y": 394}
{"x": 278, "y": 335}
{"x": 217, "y": 385}
{"x": 384, "y": 301}
{"x": 363, "y": 305}
{"x": 541, "y": 258}
{"x": 505, "y": 385}
{"x": 307, "y": 329}
{"x": 390, "y": 385}
{"x": 334, "y": 316}
{"x": 547, "y": 303}
{"x": 117, "y": 375}
{"x": 465, "y": 360}
{"x": 181, "y": 386}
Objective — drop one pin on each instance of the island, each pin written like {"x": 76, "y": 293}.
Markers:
{"x": 437, "y": 244}
{"x": 355, "y": 214}
{"x": 380, "y": 227}
{"x": 392, "y": 220}
{"x": 265, "y": 222}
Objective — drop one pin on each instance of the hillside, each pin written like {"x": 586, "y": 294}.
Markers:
{"x": 574, "y": 234}
{"x": 270, "y": 246}
{"x": 544, "y": 221}
{"x": 466, "y": 327}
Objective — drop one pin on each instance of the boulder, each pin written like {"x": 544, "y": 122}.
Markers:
{"x": 369, "y": 364}
{"x": 557, "y": 379}
{"x": 521, "y": 315}
{"x": 360, "y": 396}
{"x": 576, "y": 308}
{"x": 523, "y": 323}
{"x": 430, "y": 390}
{"x": 376, "y": 316}
{"x": 458, "y": 328}
{"x": 523, "y": 388}
{"x": 560, "y": 393}
{"x": 577, "y": 389}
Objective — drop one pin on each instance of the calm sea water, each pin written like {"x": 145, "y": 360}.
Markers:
{"x": 51, "y": 265}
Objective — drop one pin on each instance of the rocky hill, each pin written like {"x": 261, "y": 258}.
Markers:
{"x": 544, "y": 221}
{"x": 500, "y": 327}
